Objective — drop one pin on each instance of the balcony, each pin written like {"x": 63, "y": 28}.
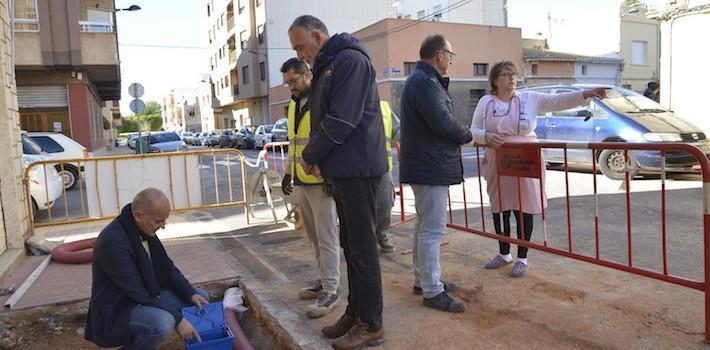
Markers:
{"x": 96, "y": 27}
{"x": 98, "y": 48}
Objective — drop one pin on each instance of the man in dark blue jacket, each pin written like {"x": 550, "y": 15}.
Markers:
{"x": 136, "y": 291}
{"x": 430, "y": 161}
{"x": 347, "y": 148}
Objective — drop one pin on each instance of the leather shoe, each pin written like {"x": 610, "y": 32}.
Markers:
{"x": 359, "y": 337}
{"x": 342, "y": 326}
{"x": 444, "y": 302}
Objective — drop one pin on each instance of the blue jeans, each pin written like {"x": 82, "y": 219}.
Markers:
{"x": 152, "y": 326}
{"x": 430, "y": 228}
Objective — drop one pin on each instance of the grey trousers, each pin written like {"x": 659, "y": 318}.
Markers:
{"x": 319, "y": 220}
{"x": 384, "y": 204}
{"x": 430, "y": 228}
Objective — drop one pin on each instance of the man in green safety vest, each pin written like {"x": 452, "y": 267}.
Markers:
{"x": 385, "y": 196}
{"x": 316, "y": 204}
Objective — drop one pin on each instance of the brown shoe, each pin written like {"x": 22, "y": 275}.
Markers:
{"x": 340, "y": 327}
{"x": 359, "y": 337}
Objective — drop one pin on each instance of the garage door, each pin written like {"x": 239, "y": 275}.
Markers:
{"x": 42, "y": 96}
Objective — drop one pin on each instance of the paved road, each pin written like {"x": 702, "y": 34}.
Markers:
{"x": 684, "y": 212}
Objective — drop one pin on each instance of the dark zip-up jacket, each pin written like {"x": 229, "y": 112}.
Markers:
{"x": 125, "y": 276}
{"x": 347, "y": 135}
{"x": 431, "y": 137}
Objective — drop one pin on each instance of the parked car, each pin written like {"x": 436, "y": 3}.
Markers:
{"x": 200, "y": 138}
{"x": 62, "y": 148}
{"x": 131, "y": 141}
{"x": 262, "y": 135}
{"x": 188, "y": 137}
{"x": 280, "y": 131}
{"x": 213, "y": 139}
{"x": 165, "y": 141}
{"x": 245, "y": 137}
{"x": 45, "y": 184}
{"x": 623, "y": 116}
{"x": 226, "y": 138}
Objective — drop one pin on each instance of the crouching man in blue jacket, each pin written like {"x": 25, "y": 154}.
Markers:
{"x": 136, "y": 290}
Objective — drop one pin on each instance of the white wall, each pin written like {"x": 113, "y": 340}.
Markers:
{"x": 597, "y": 73}
{"x": 338, "y": 16}
{"x": 684, "y": 57}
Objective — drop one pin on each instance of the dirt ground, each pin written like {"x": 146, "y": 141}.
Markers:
{"x": 63, "y": 328}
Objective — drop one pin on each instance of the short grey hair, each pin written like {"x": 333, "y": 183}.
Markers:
{"x": 309, "y": 23}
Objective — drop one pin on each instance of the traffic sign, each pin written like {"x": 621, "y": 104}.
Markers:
{"x": 136, "y": 90}
{"x": 137, "y": 106}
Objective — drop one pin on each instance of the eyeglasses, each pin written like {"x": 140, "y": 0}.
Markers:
{"x": 508, "y": 75}
{"x": 293, "y": 81}
{"x": 453, "y": 55}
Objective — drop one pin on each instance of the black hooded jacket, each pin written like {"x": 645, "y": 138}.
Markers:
{"x": 347, "y": 134}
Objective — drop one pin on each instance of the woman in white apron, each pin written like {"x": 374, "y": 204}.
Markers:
{"x": 509, "y": 116}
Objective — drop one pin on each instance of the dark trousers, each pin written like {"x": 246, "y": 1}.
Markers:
{"x": 355, "y": 201}
{"x": 526, "y": 223}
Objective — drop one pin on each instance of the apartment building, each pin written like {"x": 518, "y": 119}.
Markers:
{"x": 67, "y": 67}
{"x": 249, "y": 42}
{"x": 485, "y": 12}
{"x": 14, "y": 216}
{"x": 639, "y": 46}
{"x": 181, "y": 110}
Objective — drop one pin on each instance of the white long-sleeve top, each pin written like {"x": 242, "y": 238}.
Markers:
{"x": 531, "y": 104}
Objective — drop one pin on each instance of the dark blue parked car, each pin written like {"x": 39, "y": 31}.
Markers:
{"x": 623, "y": 116}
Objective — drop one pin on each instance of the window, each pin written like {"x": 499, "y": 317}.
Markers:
{"x": 241, "y": 5}
{"x": 437, "y": 13}
{"x": 210, "y": 35}
{"x": 97, "y": 22}
{"x": 221, "y": 20}
{"x": 584, "y": 69}
{"x": 638, "y": 52}
{"x": 480, "y": 69}
{"x": 245, "y": 75}
{"x": 262, "y": 70}
{"x": 25, "y": 16}
{"x": 258, "y": 3}
{"x": 243, "y": 39}
{"x": 209, "y": 10}
{"x": 48, "y": 145}
{"x": 260, "y": 33}
{"x": 211, "y": 63}
{"x": 409, "y": 67}
{"x": 421, "y": 14}
{"x": 533, "y": 69}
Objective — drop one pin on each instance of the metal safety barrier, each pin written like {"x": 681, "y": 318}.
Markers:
{"x": 579, "y": 231}
{"x": 191, "y": 180}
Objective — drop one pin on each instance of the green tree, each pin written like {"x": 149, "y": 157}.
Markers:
{"x": 149, "y": 120}
{"x": 629, "y": 3}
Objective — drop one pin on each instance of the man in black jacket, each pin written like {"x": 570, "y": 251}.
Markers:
{"x": 347, "y": 148}
{"x": 136, "y": 291}
{"x": 431, "y": 161}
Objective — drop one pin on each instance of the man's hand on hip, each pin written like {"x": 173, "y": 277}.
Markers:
{"x": 187, "y": 331}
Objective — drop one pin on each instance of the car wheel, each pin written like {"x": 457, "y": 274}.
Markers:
{"x": 69, "y": 176}
{"x": 612, "y": 165}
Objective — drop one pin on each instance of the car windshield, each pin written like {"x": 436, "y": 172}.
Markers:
{"x": 626, "y": 101}
{"x": 164, "y": 137}
{"x": 29, "y": 146}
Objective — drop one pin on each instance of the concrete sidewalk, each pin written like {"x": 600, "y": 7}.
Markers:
{"x": 561, "y": 304}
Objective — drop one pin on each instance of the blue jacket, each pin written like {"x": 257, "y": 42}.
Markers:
{"x": 347, "y": 135}
{"x": 431, "y": 137}
{"x": 124, "y": 276}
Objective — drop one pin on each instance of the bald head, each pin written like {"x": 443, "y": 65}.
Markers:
{"x": 150, "y": 209}
{"x": 150, "y": 200}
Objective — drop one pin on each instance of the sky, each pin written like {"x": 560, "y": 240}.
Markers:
{"x": 165, "y": 44}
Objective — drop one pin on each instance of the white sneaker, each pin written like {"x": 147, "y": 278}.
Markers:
{"x": 326, "y": 302}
